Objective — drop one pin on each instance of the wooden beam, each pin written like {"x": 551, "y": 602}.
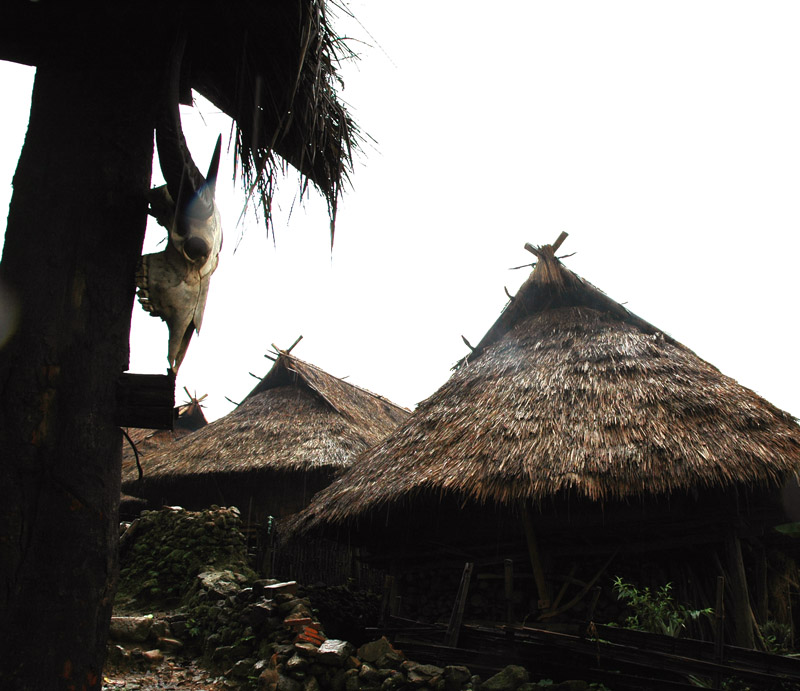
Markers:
{"x": 560, "y": 240}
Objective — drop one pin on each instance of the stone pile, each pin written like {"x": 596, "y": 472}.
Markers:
{"x": 261, "y": 633}
{"x": 162, "y": 551}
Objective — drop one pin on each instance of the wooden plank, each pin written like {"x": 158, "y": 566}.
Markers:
{"x": 146, "y": 401}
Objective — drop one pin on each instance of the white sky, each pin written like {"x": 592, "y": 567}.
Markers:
{"x": 664, "y": 137}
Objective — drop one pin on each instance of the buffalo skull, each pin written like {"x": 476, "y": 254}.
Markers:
{"x": 173, "y": 284}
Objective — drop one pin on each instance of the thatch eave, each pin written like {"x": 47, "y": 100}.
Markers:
{"x": 271, "y": 66}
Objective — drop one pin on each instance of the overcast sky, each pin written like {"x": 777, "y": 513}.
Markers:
{"x": 664, "y": 137}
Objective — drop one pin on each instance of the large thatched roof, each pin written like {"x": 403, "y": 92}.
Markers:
{"x": 298, "y": 418}
{"x": 271, "y": 65}
{"x": 569, "y": 394}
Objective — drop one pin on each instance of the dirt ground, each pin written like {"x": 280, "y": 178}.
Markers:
{"x": 169, "y": 674}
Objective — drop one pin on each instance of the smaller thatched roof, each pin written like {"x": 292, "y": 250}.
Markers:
{"x": 189, "y": 419}
{"x": 568, "y": 395}
{"x": 298, "y": 418}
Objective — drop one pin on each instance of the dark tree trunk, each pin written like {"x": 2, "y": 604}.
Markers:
{"x": 74, "y": 234}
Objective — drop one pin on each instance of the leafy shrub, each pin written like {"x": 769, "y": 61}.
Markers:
{"x": 656, "y": 612}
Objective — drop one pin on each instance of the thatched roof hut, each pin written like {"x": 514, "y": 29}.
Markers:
{"x": 573, "y": 422}
{"x": 291, "y": 435}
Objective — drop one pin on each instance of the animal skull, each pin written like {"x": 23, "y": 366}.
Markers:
{"x": 173, "y": 284}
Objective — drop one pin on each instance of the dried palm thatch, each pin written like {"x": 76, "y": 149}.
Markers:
{"x": 297, "y": 419}
{"x": 569, "y": 394}
{"x": 271, "y": 65}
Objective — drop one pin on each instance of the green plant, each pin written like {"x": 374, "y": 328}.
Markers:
{"x": 655, "y": 611}
{"x": 777, "y": 637}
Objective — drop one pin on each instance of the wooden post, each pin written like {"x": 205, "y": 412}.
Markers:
{"x": 742, "y": 613}
{"x": 536, "y": 561}
{"x": 508, "y": 576}
{"x": 719, "y": 629}
{"x": 388, "y": 587}
{"x": 457, "y": 616}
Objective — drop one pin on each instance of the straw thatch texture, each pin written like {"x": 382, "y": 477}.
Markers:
{"x": 298, "y": 418}
{"x": 569, "y": 394}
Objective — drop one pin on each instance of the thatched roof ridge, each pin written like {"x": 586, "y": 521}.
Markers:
{"x": 552, "y": 285}
{"x": 569, "y": 394}
{"x": 298, "y": 418}
{"x": 373, "y": 413}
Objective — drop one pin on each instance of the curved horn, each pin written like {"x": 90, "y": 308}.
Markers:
{"x": 213, "y": 168}
{"x": 186, "y": 184}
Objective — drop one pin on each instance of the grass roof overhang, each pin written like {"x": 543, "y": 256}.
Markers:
{"x": 271, "y": 65}
{"x": 570, "y": 393}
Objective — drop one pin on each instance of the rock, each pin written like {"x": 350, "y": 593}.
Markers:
{"x": 351, "y": 682}
{"x": 286, "y": 683}
{"x": 297, "y": 623}
{"x": 419, "y": 674}
{"x": 171, "y": 644}
{"x": 296, "y": 664}
{"x": 509, "y": 678}
{"x": 243, "y": 668}
{"x": 369, "y": 676}
{"x": 455, "y": 677}
{"x": 153, "y": 656}
{"x": 132, "y": 629}
{"x": 286, "y": 588}
{"x": 571, "y": 686}
{"x": 311, "y": 684}
{"x": 394, "y": 681}
{"x": 306, "y": 649}
{"x": 258, "y": 613}
{"x": 268, "y": 680}
{"x": 117, "y": 655}
{"x": 375, "y": 650}
{"x": 260, "y": 666}
{"x": 221, "y": 584}
{"x": 334, "y": 652}
{"x": 337, "y": 680}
